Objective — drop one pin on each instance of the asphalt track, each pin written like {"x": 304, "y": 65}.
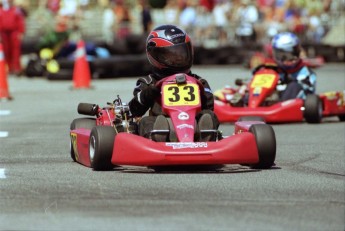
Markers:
{"x": 42, "y": 189}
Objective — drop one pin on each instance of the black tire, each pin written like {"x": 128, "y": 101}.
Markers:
{"x": 87, "y": 109}
{"x": 341, "y": 117}
{"x": 34, "y": 68}
{"x": 313, "y": 109}
{"x": 63, "y": 74}
{"x": 266, "y": 143}
{"x": 251, "y": 118}
{"x": 88, "y": 123}
{"x": 101, "y": 145}
{"x": 66, "y": 63}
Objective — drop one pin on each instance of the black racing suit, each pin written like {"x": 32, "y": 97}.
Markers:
{"x": 139, "y": 106}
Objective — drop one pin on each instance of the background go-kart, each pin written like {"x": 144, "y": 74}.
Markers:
{"x": 42, "y": 189}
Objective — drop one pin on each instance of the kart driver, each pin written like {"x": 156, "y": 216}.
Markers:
{"x": 169, "y": 51}
{"x": 297, "y": 80}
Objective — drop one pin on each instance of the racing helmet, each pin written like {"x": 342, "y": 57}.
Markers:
{"x": 169, "y": 49}
{"x": 286, "y": 49}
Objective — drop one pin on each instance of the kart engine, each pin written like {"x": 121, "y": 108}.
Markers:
{"x": 123, "y": 121}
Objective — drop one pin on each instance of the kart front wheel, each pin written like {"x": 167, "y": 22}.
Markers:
{"x": 101, "y": 145}
{"x": 313, "y": 109}
{"x": 87, "y": 123}
{"x": 266, "y": 143}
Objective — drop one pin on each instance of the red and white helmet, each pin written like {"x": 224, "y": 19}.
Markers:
{"x": 169, "y": 48}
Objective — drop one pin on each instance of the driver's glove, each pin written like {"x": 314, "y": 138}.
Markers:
{"x": 306, "y": 84}
{"x": 149, "y": 94}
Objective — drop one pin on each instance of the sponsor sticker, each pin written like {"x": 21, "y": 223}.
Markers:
{"x": 257, "y": 90}
{"x": 181, "y": 126}
{"x": 187, "y": 145}
{"x": 183, "y": 116}
{"x": 74, "y": 145}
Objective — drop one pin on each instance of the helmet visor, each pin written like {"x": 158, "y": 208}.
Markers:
{"x": 176, "y": 56}
{"x": 281, "y": 55}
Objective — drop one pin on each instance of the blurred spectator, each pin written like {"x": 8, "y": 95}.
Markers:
{"x": 123, "y": 19}
{"x": 146, "y": 19}
{"x": 247, "y": 15}
{"x": 280, "y": 9}
{"x": 270, "y": 25}
{"x": 68, "y": 7}
{"x": 220, "y": 14}
{"x": 313, "y": 6}
{"x": 250, "y": 20}
{"x": 266, "y": 12}
{"x": 83, "y": 4}
{"x": 108, "y": 23}
{"x": 203, "y": 25}
{"x": 264, "y": 6}
{"x": 293, "y": 18}
{"x": 312, "y": 11}
{"x": 23, "y": 6}
{"x": 61, "y": 45}
{"x": 316, "y": 30}
{"x": 12, "y": 28}
{"x": 171, "y": 12}
{"x": 57, "y": 38}
{"x": 207, "y": 4}
{"x": 53, "y": 6}
{"x": 188, "y": 16}
{"x": 73, "y": 10}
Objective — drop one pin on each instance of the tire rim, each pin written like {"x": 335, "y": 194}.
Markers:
{"x": 92, "y": 148}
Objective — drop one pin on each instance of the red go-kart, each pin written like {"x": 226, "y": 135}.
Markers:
{"x": 111, "y": 138}
{"x": 260, "y": 97}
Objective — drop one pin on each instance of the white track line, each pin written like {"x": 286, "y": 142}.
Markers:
{"x": 2, "y": 173}
{"x": 5, "y": 112}
{"x": 3, "y": 134}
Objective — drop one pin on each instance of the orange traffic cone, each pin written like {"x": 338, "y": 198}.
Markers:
{"x": 4, "y": 92}
{"x": 81, "y": 71}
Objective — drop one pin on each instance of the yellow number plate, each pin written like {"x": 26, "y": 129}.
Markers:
{"x": 263, "y": 80}
{"x": 181, "y": 95}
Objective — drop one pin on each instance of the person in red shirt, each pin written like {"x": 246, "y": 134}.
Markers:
{"x": 12, "y": 28}
{"x": 208, "y": 4}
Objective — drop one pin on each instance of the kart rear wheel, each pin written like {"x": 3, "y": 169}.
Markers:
{"x": 251, "y": 118}
{"x": 87, "y": 123}
{"x": 341, "y": 117}
{"x": 87, "y": 109}
{"x": 101, "y": 145}
{"x": 266, "y": 143}
{"x": 313, "y": 109}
